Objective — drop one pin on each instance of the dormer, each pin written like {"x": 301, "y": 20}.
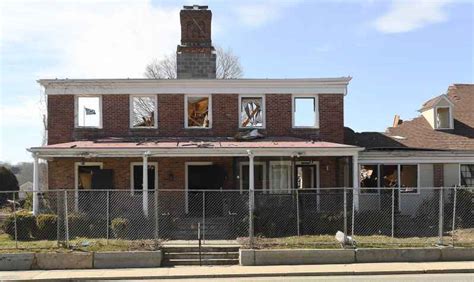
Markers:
{"x": 439, "y": 112}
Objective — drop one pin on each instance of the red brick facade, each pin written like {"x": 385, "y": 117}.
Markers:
{"x": 225, "y": 118}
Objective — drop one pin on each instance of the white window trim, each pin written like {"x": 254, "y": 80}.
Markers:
{"x": 76, "y": 179}
{"x": 310, "y": 163}
{"x": 209, "y": 110}
{"x": 131, "y": 112}
{"x": 186, "y": 187}
{"x": 450, "y": 113}
{"x": 290, "y": 178}
{"x": 316, "y": 112}
{"x": 262, "y": 96}
{"x": 370, "y": 188}
{"x": 460, "y": 175}
{"x": 76, "y": 111}
{"x": 255, "y": 164}
{"x": 132, "y": 185}
{"x": 417, "y": 180}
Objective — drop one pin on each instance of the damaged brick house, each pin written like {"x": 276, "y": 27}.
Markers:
{"x": 196, "y": 132}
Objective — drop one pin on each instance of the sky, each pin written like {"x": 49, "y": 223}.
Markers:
{"x": 399, "y": 53}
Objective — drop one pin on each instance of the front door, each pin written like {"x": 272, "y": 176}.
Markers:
{"x": 204, "y": 179}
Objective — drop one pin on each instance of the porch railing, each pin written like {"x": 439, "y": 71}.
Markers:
{"x": 374, "y": 217}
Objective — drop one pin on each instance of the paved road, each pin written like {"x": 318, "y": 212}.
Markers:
{"x": 405, "y": 278}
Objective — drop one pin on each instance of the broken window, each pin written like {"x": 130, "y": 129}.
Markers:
{"x": 408, "y": 178}
{"x": 443, "y": 119}
{"x": 305, "y": 112}
{"x": 389, "y": 175}
{"x": 143, "y": 112}
{"x": 369, "y": 178}
{"x": 89, "y": 112}
{"x": 198, "y": 111}
{"x": 251, "y": 112}
{"x": 467, "y": 175}
{"x": 137, "y": 176}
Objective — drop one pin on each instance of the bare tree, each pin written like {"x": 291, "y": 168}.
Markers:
{"x": 227, "y": 66}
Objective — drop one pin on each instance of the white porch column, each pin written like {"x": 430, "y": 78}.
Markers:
{"x": 35, "y": 184}
{"x": 355, "y": 180}
{"x": 145, "y": 183}
{"x": 251, "y": 196}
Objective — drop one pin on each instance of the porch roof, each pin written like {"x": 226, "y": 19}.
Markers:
{"x": 187, "y": 146}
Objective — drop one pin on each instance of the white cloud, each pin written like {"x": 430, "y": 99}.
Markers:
{"x": 259, "y": 14}
{"x": 405, "y": 16}
{"x": 90, "y": 38}
{"x": 25, "y": 112}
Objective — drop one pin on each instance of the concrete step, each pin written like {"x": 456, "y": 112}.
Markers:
{"x": 204, "y": 249}
{"x": 173, "y": 262}
{"x": 208, "y": 255}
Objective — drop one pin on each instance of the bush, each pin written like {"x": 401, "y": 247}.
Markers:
{"x": 25, "y": 223}
{"x": 120, "y": 227}
{"x": 78, "y": 225}
{"x": 46, "y": 226}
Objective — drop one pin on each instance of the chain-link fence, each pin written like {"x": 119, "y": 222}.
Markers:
{"x": 125, "y": 219}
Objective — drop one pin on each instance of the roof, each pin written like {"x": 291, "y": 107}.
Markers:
{"x": 418, "y": 133}
{"x": 337, "y": 85}
{"x": 192, "y": 145}
{"x": 434, "y": 101}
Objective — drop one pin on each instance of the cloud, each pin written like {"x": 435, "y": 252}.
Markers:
{"x": 89, "y": 38}
{"x": 405, "y": 16}
{"x": 259, "y": 14}
{"x": 25, "y": 112}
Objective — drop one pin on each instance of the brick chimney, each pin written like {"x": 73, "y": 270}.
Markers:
{"x": 196, "y": 57}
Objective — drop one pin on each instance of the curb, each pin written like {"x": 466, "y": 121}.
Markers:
{"x": 248, "y": 275}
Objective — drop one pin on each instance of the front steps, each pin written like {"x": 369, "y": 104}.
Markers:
{"x": 210, "y": 255}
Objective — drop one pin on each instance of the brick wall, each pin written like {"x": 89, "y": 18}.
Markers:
{"x": 438, "y": 175}
{"x": 171, "y": 171}
{"x": 225, "y": 118}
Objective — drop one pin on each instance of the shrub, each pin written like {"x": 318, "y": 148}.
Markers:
{"x": 46, "y": 226}
{"x": 25, "y": 224}
{"x": 120, "y": 227}
{"x": 78, "y": 225}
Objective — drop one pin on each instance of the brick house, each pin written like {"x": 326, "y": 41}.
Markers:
{"x": 196, "y": 132}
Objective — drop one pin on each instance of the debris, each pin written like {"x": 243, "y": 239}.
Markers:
{"x": 249, "y": 135}
{"x": 340, "y": 238}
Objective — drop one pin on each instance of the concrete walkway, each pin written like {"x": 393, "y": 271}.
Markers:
{"x": 242, "y": 271}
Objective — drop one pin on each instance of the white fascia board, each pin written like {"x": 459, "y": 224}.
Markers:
{"x": 186, "y": 86}
{"x": 416, "y": 157}
{"x": 202, "y": 152}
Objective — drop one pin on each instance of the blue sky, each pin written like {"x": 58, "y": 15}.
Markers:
{"x": 399, "y": 53}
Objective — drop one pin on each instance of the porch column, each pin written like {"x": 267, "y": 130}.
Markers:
{"x": 35, "y": 184}
{"x": 251, "y": 196}
{"x": 355, "y": 181}
{"x": 145, "y": 183}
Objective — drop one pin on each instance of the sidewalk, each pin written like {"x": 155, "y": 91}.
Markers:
{"x": 243, "y": 271}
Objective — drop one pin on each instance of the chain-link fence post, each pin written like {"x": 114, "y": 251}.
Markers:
{"x": 440, "y": 216}
{"x": 58, "y": 213}
{"x": 15, "y": 222}
{"x": 353, "y": 215}
{"x": 454, "y": 215}
{"x": 157, "y": 222}
{"x": 66, "y": 223}
{"x": 203, "y": 216}
{"x": 108, "y": 216}
{"x": 345, "y": 217}
{"x": 298, "y": 212}
{"x": 393, "y": 212}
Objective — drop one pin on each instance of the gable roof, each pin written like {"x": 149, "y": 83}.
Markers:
{"x": 435, "y": 101}
{"x": 418, "y": 133}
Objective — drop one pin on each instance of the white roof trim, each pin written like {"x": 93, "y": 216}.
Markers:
{"x": 392, "y": 157}
{"x": 190, "y": 152}
{"x": 195, "y": 86}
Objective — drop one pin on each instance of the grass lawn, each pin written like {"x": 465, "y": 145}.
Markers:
{"x": 463, "y": 238}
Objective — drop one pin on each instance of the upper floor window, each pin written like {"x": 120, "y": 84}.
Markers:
{"x": 198, "y": 111}
{"x": 88, "y": 111}
{"x": 467, "y": 175}
{"x": 252, "y": 111}
{"x": 143, "y": 111}
{"x": 305, "y": 112}
{"x": 443, "y": 118}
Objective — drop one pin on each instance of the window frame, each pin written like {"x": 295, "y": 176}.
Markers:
{"x": 76, "y": 111}
{"x": 417, "y": 179}
{"x": 262, "y": 96}
{"x": 131, "y": 111}
{"x": 399, "y": 165}
{"x": 132, "y": 184}
{"x": 316, "y": 110}
{"x": 450, "y": 117}
{"x": 366, "y": 189}
{"x": 290, "y": 176}
{"x": 460, "y": 174}
{"x": 209, "y": 110}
